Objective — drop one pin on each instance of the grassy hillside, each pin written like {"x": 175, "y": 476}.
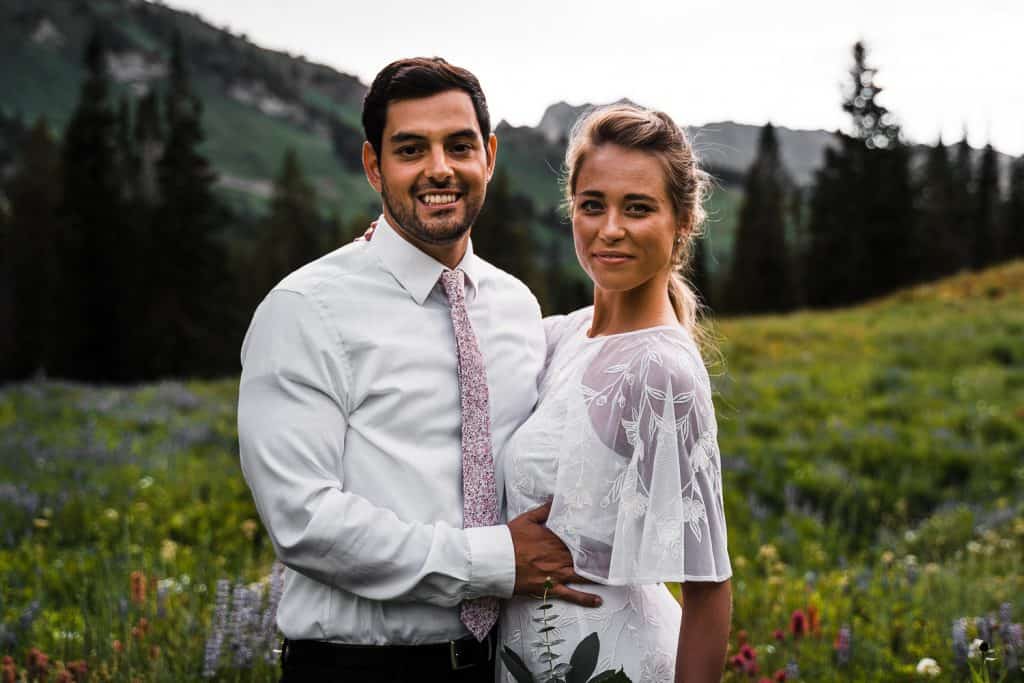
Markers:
{"x": 874, "y": 464}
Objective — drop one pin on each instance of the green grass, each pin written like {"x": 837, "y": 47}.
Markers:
{"x": 873, "y": 458}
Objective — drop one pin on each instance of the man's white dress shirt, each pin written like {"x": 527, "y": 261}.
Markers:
{"x": 349, "y": 427}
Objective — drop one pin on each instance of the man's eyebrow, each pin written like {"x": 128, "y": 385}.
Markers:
{"x": 464, "y": 133}
{"x": 400, "y": 137}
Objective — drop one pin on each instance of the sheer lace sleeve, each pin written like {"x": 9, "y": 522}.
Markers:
{"x": 638, "y": 493}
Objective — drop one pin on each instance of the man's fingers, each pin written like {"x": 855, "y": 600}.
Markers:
{"x": 574, "y": 596}
{"x": 576, "y": 578}
{"x": 540, "y": 514}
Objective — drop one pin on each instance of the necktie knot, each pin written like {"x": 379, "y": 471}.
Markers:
{"x": 454, "y": 285}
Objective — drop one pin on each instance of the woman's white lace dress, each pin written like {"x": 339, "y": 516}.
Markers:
{"x": 624, "y": 441}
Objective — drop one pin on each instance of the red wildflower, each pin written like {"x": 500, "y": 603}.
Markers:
{"x": 118, "y": 647}
{"x": 780, "y": 676}
{"x": 738, "y": 662}
{"x": 741, "y": 637}
{"x": 798, "y": 623}
{"x": 779, "y": 635}
{"x": 10, "y": 671}
{"x": 138, "y": 587}
{"x": 79, "y": 669}
{"x": 65, "y": 677}
{"x": 812, "y": 619}
{"x": 748, "y": 653}
{"x": 763, "y": 680}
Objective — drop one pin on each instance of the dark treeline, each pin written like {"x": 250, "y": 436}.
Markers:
{"x": 119, "y": 262}
{"x": 875, "y": 218}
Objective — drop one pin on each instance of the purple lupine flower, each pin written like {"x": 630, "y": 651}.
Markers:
{"x": 220, "y": 622}
{"x": 984, "y": 626}
{"x": 268, "y": 625}
{"x": 28, "y": 616}
{"x": 842, "y": 645}
{"x": 161, "y": 599}
{"x": 243, "y": 619}
{"x": 960, "y": 646}
{"x": 792, "y": 670}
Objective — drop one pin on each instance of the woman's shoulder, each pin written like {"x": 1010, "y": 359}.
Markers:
{"x": 658, "y": 356}
{"x": 559, "y": 328}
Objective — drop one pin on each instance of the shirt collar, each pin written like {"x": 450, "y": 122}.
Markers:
{"x": 415, "y": 270}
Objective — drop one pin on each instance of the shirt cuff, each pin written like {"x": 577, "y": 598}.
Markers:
{"x": 492, "y": 562}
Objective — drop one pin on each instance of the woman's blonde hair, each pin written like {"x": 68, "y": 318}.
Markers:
{"x": 687, "y": 185}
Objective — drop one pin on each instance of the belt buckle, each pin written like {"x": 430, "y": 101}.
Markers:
{"x": 454, "y": 654}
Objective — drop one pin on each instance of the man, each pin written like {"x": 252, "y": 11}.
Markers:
{"x": 378, "y": 383}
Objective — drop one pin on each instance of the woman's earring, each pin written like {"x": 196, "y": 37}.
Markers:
{"x": 679, "y": 240}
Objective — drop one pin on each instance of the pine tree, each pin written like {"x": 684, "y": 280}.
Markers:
{"x": 963, "y": 201}
{"x": 1013, "y": 228}
{"x": 760, "y": 279}
{"x": 91, "y": 297}
{"x": 292, "y": 233}
{"x": 34, "y": 230}
{"x": 501, "y": 234}
{"x": 862, "y": 229}
{"x": 699, "y": 277}
{"x": 942, "y": 237}
{"x": 985, "y": 226}
{"x": 7, "y": 341}
{"x": 149, "y": 145}
{"x": 193, "y": 318}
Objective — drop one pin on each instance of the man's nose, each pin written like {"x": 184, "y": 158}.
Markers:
{"x": 438, "y": 169}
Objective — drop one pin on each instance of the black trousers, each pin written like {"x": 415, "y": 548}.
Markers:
{"x": 381, "y": 664}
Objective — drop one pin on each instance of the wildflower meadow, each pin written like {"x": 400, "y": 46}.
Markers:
{"x": 874, "y": 469}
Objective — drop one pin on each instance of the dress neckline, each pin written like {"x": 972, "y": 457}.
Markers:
{"x": 626, "y": 334}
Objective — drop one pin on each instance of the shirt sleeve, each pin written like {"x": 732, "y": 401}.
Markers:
{"x": 639, "y": 497}
{"x": 292, "y": 421}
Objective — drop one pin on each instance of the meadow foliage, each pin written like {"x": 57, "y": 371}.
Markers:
{"x": 873, "y": 461}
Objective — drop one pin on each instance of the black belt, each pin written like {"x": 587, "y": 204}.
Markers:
{"x": 453, "y": 655}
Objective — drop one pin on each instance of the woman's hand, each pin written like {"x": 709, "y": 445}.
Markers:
{"x": 704, "y": 635}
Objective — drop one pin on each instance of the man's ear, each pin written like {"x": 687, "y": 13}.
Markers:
{"x": 371, "y": 167}
{"x": 492, "y": 154}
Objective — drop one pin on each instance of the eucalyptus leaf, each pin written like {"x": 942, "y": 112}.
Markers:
{"x": 584, "y": 659}
{"x": 515, "y": 665}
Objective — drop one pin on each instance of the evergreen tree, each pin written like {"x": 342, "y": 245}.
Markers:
{"x": 149, "y": 146}
{"x": 863, "y": 210}
{"x": 1013, "y": 229}
{"x": 942, "y": 236}
{"x": 963, "y": 201}
{"x": 34, "y": 230}
{"x": 293, "y": 229}
{"x": 760, "y": 280}
{"x": 699, "y": 277}
{"x": 7, "y": 343}
{"x": 193, "y": 319}
{"x": 91, "y": 248}
{"x": 985, "y": 226}
{"x": 501, "y": 234}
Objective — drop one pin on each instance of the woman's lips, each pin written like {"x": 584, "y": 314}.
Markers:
{"x": 612, "y": 258}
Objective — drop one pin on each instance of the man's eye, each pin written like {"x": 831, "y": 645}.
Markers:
{"x": 408, "y": 151}
{"x": 462, "y": 148}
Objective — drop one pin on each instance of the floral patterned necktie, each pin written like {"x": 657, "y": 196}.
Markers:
{"x": 479, "y": 493}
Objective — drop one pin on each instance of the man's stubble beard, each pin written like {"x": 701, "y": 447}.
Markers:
{"x": 447, "y": 232}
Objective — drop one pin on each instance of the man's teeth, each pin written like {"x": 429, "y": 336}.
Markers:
{"x": 438, "y": 198}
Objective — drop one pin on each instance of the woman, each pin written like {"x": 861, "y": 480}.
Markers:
{"x": 623, "y": 439}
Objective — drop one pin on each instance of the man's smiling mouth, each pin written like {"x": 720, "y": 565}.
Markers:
{"x": 439, "y": 199}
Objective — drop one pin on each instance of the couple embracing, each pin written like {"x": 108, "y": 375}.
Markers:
{"x": 401, "y": 399}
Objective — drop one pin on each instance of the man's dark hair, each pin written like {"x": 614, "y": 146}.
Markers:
{"x": 413, "y": 78}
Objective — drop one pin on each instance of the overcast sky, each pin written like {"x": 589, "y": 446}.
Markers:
{"x": 944, "y": 64}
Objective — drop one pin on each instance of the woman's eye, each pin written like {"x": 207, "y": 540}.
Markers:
{"x": 641, "y": 209}
{"x": 590, "y": 205}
